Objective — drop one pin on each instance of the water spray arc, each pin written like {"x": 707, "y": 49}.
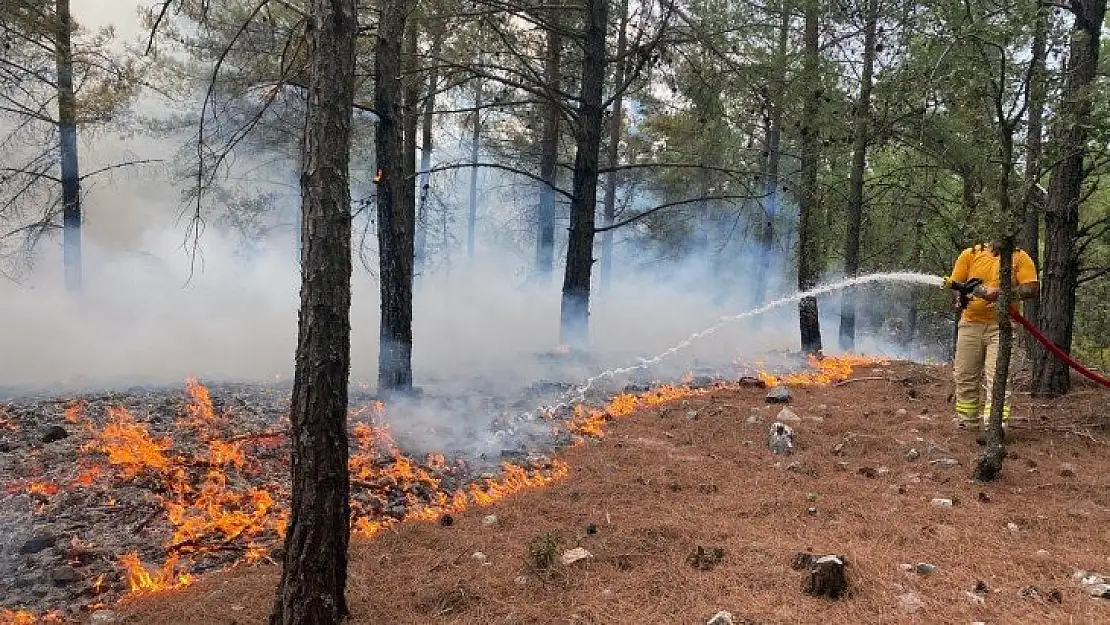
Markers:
{"x": 578, "y": 394}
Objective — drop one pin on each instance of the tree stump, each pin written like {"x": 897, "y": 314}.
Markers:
{"x": 826, "y": 577}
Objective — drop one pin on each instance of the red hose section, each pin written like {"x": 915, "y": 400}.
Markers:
{"x": 1043, "y": 340}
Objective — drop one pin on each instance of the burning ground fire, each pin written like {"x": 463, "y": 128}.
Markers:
{"x": 216, "y": 496}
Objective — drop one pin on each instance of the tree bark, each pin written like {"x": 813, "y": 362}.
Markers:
{"x": 1061, "y": 254}
{"x": 67, "y": 134}
{"x": 396, "y": 218}
{"x": 575, "y": 308}
{"x": 859, "y": 164}
{"x": 990, "y": 462}
{"x": 314, "y": 575}
{"x": 771, "y": 191}
{"x": 549, "y": 156}
{"x": 808, "y": 320}
{"x": 475, "y": 144}
{"x": 609, "y": 203}
{"x": 1034, "y": 206}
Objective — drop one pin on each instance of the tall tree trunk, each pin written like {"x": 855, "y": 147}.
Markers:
{"x": 475, "y": 144}
{"x": 807, "y": 241}
{"x": 771, "y": 183}
{"x": 396, "y": 218}
{"x": 67, "y": 133}
{"x": 612, "y": 156}
{"x": 314, "y": 575}
{"x": 1061, "y": 254}
{"x": 574, "y": 315}
{"x": 422, "y": 225}
{"x": 549, "y": 156}
{"x": 410, "y": 95}
{"x": 1034, "y": 141}
{"x": 859, "y": 164}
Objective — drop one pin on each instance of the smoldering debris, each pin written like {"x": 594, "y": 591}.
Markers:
{"x": 151, "y": 486}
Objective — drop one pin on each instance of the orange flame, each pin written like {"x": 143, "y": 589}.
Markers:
{"x": 141, "y": 579}
{"x": 21, "y": 617}
{"x": 75, "y": 411}
{"x": 130, "y": 445}
{"x": 199, "y": 411}
{"x": 215, "y": 510}
{"x": 827, "y": 370}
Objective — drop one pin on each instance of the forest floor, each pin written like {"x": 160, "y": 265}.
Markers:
{"x": 697, "y": 472}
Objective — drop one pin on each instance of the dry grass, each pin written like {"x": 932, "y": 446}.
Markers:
{"x": 660, "y": 485}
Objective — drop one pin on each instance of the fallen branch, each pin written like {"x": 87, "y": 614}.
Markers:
{"x": 871, "y": 379}
{"x": 258, "y": 436}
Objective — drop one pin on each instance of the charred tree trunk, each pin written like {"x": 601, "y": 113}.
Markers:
{"x": 807, "y": 241}
{"x": 314, "y": 573}
{"x": 574, "y": 315}
{"x": 1061, "y": 254}
{"x": 396, "y": 218}
{"x": 67, "y": 134}
{"x": 609, "y": 204}
{"x": 859, "y": 164}
{"x": 549, "y": 156}
{"x": 475, "y": 144}
{"x": 771, "y": 184}
{"x": 422, "y": 224}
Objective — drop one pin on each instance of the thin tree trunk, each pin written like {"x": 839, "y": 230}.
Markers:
{"x": 1034, "y": 142}
{"x": 67, "y": 133}
{"x": 771, "y": 191}
{"x": 314, "y": 572}
{"x": 549, "y": 155}
{"x": 410, "y": 82}
{"x": 808, "y": 320}
{"x": 990, "y": 462}
{"x": 609, "y": 203}
{"x": 1030, "y": 232}
{"x": 918, "y": 258}
{"x": 575, "y": 308}
{"x": 1061, "y": 254}
{"x": 422, "y": 225}
{"x": 859, "y": 164}
{"x": 475, "y": 143}
{"x": 396, "y": 218}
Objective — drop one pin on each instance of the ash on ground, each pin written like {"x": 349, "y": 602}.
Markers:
{"x": 112, "y": 491}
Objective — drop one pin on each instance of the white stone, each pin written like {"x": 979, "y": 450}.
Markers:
{"x": 787, "y": 414}
{"x": 490, "y": 520}
{"x": 720, "y": 618}
{"x": 570, "y": 556}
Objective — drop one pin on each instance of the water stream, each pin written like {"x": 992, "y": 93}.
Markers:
{"x": 578, "y": 394}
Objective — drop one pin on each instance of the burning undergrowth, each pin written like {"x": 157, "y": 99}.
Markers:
{"x": 110, "y": 494}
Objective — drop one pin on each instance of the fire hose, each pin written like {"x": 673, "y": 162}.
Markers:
{"x": 967, "y": 289}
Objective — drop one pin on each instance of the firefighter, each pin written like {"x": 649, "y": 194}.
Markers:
{"x": 977, "y": 332}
